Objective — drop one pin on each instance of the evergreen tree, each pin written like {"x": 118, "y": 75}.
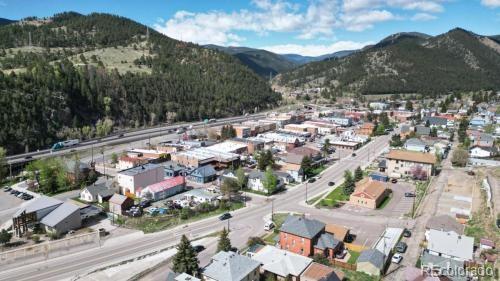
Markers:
{"x": 358, "y": 174}
{"x": 349, "y": 183}
{"x": 185, "y": 260}
{"x": 306, "y": 166}
{"x": 224, "y": 242}
{"x": 5, "y": 236}
{"x": 325, "y": 149}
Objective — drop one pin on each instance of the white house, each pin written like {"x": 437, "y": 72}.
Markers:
{"x": 256, "y": 178}
{"x": 480, "y": 152}
{"x": 415, "y": 144}
{"x": 450, "y": 245}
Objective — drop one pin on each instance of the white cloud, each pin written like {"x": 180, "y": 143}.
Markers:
{"x": 433, "y": 6}
{"x": 316, "y": 50}
{"x": 423, "y": 17}
{"x": 365, "y": 20}
{"x": 491, "y": 3}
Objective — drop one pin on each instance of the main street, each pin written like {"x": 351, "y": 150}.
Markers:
{"x": 246, "y": 222}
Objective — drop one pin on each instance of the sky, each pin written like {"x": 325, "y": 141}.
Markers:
{"x": 306, "y": 27}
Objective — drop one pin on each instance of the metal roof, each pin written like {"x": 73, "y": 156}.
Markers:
{"x": 372, "y": 256}
{"x": 451, "y": 244}
{"x": 40, "y": 203}
{"x": 59, "y": 214}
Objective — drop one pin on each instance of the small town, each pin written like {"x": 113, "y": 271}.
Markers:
{"x": 250, "y": 140}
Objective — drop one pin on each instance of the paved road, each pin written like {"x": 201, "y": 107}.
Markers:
{"x": 246, "y": 222}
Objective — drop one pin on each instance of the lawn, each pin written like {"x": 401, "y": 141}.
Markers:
{"x": 358, "y": 276}
{"x": 313, "y": 200}
{"x": 279, "y": 219}
{"x": 354, "y": 257}
{"x": 334, "y": 197}
{"x": 149, "y": 224}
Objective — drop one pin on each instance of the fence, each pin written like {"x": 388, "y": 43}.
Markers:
{"x": 50, "y": 249}
{"x": 344, "y": 265}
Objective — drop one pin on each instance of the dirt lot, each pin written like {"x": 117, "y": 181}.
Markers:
{"x": 460, "y": 195}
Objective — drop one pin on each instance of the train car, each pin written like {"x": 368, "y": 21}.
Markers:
{"x": 66, "y": 143}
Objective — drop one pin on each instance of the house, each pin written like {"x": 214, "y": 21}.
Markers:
{"x": 371, "y": 262}
{"x": 366, "y": 129}
{"x": 293, "y": 166}
{"x": 415, "y": 144}
{"x": 405, "y": 131}
{"x": 340, "y": 233}
{"x": 97, "y": 192}
{"x": 402, "y": 163}
{"x": 256, "y": 181}
{"x": 369, "y": 194}
{"x": 77, "y": 170}
{"x": 478, "y": 121}
{"x": 319, "y": 272}
{"x": 281, "y": 264}
{"x": 252, "y": 145}
{"x": 201, "y": 196}
{"x": 127, "y": 162}
{"x": 486, "y": 244}
{"x": 118, "y": 204}
{"x": 416, "y": 274}
{"x": 450, "y": 245}
{"x": 286, "y": 178}
{"x": 181, "y": 277}
{"x": 446, "y": 268}
{"x": 132, "y": 179}
{"x": 483, "y": 140}
{"x": 443, "y": 223}
{"x": 164, "y": 189}
{"x": 307, "y": 237}
{"x": 172, "y": 169}
{"x": 202, "y": 174}
{"x": 231, "y": 266}
{"x": 435, "y": 121}
{"x": 481, "y": 152}
{"x": 64, "y": 218}
{"x": 422, "y": 130}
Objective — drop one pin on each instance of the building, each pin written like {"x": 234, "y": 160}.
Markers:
{"x": 172, "y": 169}
{"x": 444, "y": 223}
{"x": 164, "y": 189}
{"x": 231, "y": 266}
{"x": 340, "y": 233}
{"x": 33, "y": 213}
{"x": 415, "y": 144}
{"x": 369, "y": 194}
{"x": 252, "y": 145}
{"x": 449, "y": 269}
{"x": 307, "y": 237}
{"x": 229, "y": 147}
{"x": 202, "y": 156}
{"x": 387, "y": 242}
{"x": 202, "y": 174}
{"x": 378, "y": 177}
{"x": 201, "y": 196}
{"x": 256, "y": 181}
{"x": 450, "y": 245}
{"x": 96, "y": 193}
{"x": 132, "y": 179}
{"x": 281, "y": 264}
{"x": 483, "y": 140}
{"x": 481, "y": 152}
{"x": 366, "y": 129}
{"x": 371, "y": 262}
{"x": 243, "y": 131}
{"x": 77, "y": 170}
{"x": 64, "y": 218}
{"x": 347, "y": 145}
{"x": 127, "y": 162}
{"x": 118, "y": 204}
{"x": 435, "y": 121}
{"x": 421, "y": 130}
{"x": 319, "y": 272}
{"x": 403, "y": 163}
{"x": 405, "y": 131}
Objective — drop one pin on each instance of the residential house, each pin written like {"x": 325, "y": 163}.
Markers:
{"x": 402, "y": 163}
{"x": 97, "y": 192}
{"x": 164, "y": 189}
{"x": 307, "y": 237}
{"x": 481, "y": 152}
{"x": 227, "y": 266}
{"x": 118, "y": 204}
{"x": 486, "y": 244}
{"x": 62, "y": 219}
{"x": 369, "y": 194}
{"x": 483, "y": 140}
{"x": 421, "y": 130}
{"x": 293, "y": 166}
{"x": 450, "y": 245}
{"x": 132, "y": 179}
{"x": 201, "y": 196}
{"x": 435, "y": 121}
{"x": 371, "y": 262}
{"x": 281, "y": 264}
{"x": 256, "y": 181}
{"x": 339, "y": 232}
{"x": 405, "y": 131}
{"x": 202, "y": 174}
{"x": 285, "y": 177}
{"x": 444, "y": 223}
{"x": 415, "y": 144}
{"x": 77, "y": 170}
{"x": 366, "y": 129}
{"x": 181, "y": 277}
{"x": 478, "y": 121}
{"x": 444, "y": 267}
{"x": 319, "y": 272}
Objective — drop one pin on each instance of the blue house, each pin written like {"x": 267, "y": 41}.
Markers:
{"x": 202, "y": 174}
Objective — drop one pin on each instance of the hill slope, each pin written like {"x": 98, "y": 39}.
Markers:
{"x": 299, "y": 59}
{"x": 5, "y": 21}
{"x": 408, "y": 63}
{"x": 72, "y": 81}
{"x": 260, "y": 61}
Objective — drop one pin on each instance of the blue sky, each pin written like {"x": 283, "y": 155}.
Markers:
{"x": 307, "y": 27}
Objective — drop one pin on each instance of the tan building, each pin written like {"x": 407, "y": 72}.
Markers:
{"x": 368, "y": 194}
{"x": 366, "y": 129}
{"x": 404, "y": 163}
{"x": 339, "y": 232}
{"x": 319, "y": 272}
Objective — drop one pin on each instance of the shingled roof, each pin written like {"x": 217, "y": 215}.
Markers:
{"x": 411, "y": 156}
{"x": 302, "y": 227}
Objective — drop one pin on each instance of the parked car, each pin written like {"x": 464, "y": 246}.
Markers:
{"x": 394, "y": 180}
{"x": 14, "y": 192}
{"x": 331, "y": 183}
{"x": 225, "y": 216}
{"x": 354, "y": 155}
{"x": 269, "y": 225}
{"x": 7, "y": 189}
{"x": 145, "y": 204}
{"x": 312, "y": 180}
{"x": 28, "y": 157}
{"x": 498, "y": 223}
{"x": 199, "y": 248}
{"x": 410, "y": 194}
{"x": 397, "y": 258}
{"x": 401, "y": 247}
{"x": 406, "y": 232}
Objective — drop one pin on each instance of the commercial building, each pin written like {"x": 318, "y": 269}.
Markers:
{"x": 202, "y": 156}
{"x": 127, "y": 162}
{"x": 163, "y": 189}
{"x": 368, "y": 194}
{"x": 132, "y": 179}
{"x": 403, "y": 163}
{"x": 64, "y": 218}
{"x": 450, "y": 245}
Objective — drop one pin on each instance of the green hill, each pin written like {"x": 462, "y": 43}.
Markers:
{"x": 83, "y": 75}
{"x": 407, "y": 63}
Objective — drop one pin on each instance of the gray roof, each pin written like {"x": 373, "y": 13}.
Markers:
{"x": 327, "y": 241}
{"x": 171, "y": 165}
{"x": 281, "y": 262}
{"x": 372, "y": 256}
{"x": 230, "y": 266}
{"x": 422, "y": 130}
{"x": 382, "y": 164}
{"x": 59, "y": 214}
{"x": 414, "y": 142}
{"x": 451, "y": 244}
{"x": 100, "y": 189}
{"x": 405, "y": 128}
{"x": 204, "y": 171}
{"x": 302, "y": 227}
{"x": 445, "y": 223}
{"x": 185, "y": 277}
{"x": 486, "y": 137}
{"x": 294, "y": 158}
{"x": 432, "y": 261}
{"x": 434, "y": 120}
{"x": 40, "y": 203}
{"x": 70, "y": 165}
{"x": 139, "y": 169}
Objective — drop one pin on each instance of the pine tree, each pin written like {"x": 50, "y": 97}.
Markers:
{"x": 358, "y": 174}
{"x": 349, "y": 183}
{"x": 185, "y": 260}
{"x": 224, "y": 242}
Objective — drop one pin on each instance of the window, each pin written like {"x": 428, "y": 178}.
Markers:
{"x": 302, "y": 240}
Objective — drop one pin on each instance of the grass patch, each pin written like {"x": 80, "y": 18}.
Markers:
{"x": 359, "y": 276}
{"x": 311, "y": 201}
{"x": 279, "y": 219}
{"x": 264, "y": 193}
{"x": 354, "y": 257}
{"x": 334, "y": 197}
{"x": 157, "y": 223}
{"x": 384, "y": 203}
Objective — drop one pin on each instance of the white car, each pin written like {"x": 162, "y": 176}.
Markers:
{"x": 397, "y": 258}
{"x": 268, "y": 226}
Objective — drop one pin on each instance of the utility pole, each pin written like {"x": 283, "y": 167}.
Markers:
{"x": 228, "y": 229}
{"x": 29, "y": 39}
{"x": 306, "y": 192}
{"x": 272, "y": 209}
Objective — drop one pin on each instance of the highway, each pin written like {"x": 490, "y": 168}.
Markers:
{"x": 125, "y": 137}
{"x": 246, "y": 222}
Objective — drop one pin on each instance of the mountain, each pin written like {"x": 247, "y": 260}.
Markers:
{"x": 261, "y": 62}
{"x": 299, "y": 59}
{"x": 458, "y": 60}
{"x": 82, "y": 76}
{"x": 6, "y": 21}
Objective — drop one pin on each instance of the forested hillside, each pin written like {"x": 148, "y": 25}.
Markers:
{"x": 407, "y": 63}
{"x": 54, "y": 89}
